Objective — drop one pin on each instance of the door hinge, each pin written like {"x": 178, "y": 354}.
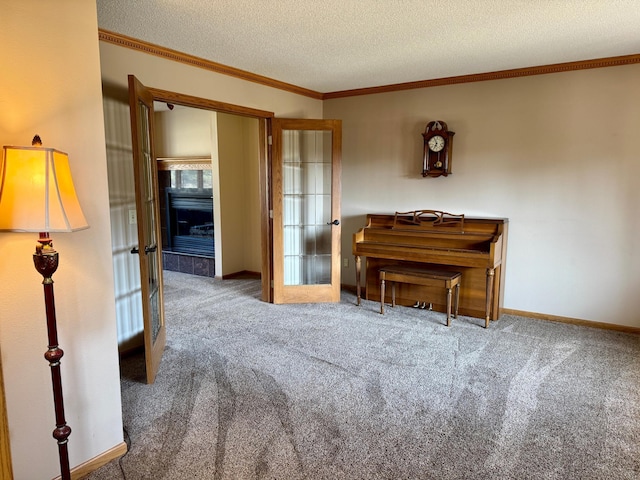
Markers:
{"x": 270, "y": 139}
{"x": 271, "y": 283}
{"x": 270, "y": 213}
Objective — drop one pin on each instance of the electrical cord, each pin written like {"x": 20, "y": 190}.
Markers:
{"x": 127, "y": 441}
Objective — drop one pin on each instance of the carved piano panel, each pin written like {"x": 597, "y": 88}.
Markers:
{"x": 476, "y": 247}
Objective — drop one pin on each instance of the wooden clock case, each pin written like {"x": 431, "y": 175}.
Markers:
{"x": 437, "y": 163}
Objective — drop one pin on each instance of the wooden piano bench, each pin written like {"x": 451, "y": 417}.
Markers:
{"x": 421, "y": 276}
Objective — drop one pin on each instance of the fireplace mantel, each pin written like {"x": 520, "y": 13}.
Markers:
{"x": 184, "y": 163}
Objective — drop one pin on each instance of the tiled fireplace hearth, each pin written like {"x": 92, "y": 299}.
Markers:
{"x": 191, "y": 264}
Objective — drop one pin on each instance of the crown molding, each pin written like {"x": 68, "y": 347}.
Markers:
{"x": 152, "y": 49}
{"x": 498, "y": 75}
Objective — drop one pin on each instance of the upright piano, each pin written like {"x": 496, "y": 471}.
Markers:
{"x": 475, "y": 247}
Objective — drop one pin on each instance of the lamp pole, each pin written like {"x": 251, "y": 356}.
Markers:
{"x": 46, "y": 262}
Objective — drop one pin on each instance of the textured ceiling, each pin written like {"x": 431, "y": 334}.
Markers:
{"x": 333, "y": 45}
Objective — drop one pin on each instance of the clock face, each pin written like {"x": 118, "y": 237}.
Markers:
{"x": 436, "y": 143}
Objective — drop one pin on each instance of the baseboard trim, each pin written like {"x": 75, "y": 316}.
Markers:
{"x": 572, "y": 321}
{"x": 131, "y": 345}
{"x": 95, "y": 463}
{"x": 242, "y": 275}
{"x": 546, "y": 317}
{"x": 349, "y": 288}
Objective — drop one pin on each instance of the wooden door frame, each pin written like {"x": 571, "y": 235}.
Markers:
{"x": 264, "y": 124}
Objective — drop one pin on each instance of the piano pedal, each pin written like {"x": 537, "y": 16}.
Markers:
{"x": 423, "y": 306}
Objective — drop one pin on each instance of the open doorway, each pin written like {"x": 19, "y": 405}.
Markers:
{"x": 230, "y": 171}
{"x": 208, "y": 177}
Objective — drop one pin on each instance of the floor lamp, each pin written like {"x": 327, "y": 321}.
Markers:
{"x": 37, "y": 195}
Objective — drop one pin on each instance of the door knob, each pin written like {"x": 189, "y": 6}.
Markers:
{"x": 150, "y": 249}
{"x": 147, "y": 250}
{"x": 335, "y": 222}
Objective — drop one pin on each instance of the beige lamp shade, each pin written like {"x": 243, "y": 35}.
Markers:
{"x": 37, "y": 192}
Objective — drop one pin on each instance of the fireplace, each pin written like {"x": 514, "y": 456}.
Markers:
{"x": 190, "y": 221}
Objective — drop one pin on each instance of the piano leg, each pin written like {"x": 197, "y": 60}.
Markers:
{"x": 490, "y": 274}
{"x": 358, "y": 279}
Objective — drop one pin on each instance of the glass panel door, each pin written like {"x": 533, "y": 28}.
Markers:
{"x": 306, "y": 172}
{"x": 147, "y": 207}
{"x": 149, "y": 222}
{"x": 307, "y": 206}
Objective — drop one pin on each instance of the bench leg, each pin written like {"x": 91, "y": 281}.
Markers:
{"x": 358, "y": 267}
{"x": 448, "y": 306}
{"x": 393, "y": 294}
{"x": 382, "y": 296}
{"x": 456, "y": 301}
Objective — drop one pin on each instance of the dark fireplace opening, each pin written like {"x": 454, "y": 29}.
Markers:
{"x": 190, "y": 221}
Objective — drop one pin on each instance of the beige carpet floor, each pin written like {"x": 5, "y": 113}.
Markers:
{"x": 251, "y": 390}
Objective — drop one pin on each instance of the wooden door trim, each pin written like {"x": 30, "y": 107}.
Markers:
{"x": 266, "y": 222}
{"x": 336, "y": 198}
{"x": 198, "y": 102}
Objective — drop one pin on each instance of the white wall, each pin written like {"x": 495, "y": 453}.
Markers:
{"x": 251, "y": 172}
{"x": 238, "y": 164}
{"x": 557, "y": 154}
{"x": 182, "y": 132}
{"x": 50, "y": 85}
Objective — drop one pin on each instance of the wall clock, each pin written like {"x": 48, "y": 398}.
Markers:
{"x": 438, "y": 148}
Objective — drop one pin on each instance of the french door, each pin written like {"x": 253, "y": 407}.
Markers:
{"x": 149, "y": 248}
{"x": 303, "y": 239}
{"x": 306, "y": 173}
